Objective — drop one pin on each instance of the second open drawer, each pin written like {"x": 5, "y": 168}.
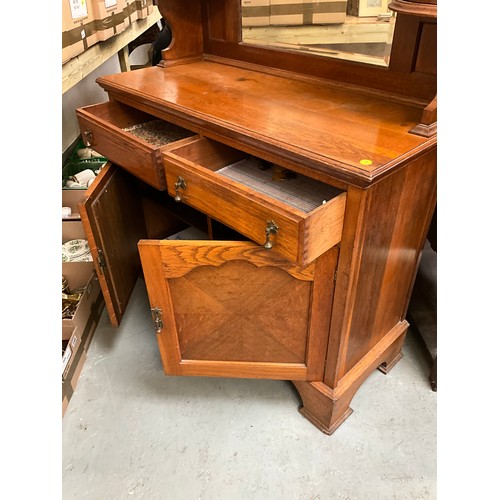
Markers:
{"x": 131, "y": 138}
{"x": 297, "y": 216}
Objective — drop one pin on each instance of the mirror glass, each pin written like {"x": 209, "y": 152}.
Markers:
{"x": 355, "y": 30}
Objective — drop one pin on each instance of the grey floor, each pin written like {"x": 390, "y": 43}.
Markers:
{"x": 132, "y": 432}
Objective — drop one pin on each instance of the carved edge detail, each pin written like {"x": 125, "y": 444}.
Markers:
{"x": 425, "y": 130}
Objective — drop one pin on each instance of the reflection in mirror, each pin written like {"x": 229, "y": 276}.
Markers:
{"x": 355, "y": 30}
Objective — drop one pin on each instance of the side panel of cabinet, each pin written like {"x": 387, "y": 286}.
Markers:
{"x": 233, "y": 309}
{"x": 113, "y": 221}
{"x": 384, "y": 233}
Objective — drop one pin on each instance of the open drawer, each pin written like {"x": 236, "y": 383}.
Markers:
{"x": 131, "y": 138}
{"x": 297, "y": 216}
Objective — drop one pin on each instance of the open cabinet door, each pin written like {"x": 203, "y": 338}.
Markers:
{"x": 234, "y": 309}
{"x": 112, "y": 217}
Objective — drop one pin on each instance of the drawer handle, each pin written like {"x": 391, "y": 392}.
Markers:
{"x": 88, "y": 138}
{"x": 271, "y": 229}
{"x": 180, "y": 184}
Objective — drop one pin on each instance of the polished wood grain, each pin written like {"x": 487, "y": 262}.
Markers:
{"x": 428, "y": 125}
{"x": 243, "y": 317}
{"x": 387, "y": 228}
{"x": 187, "y": 33}
{"x": 106, "y": 121}
{"x": 181, "y": 257}
{"x": 302, "y": 237}
{"x": 327, "y": 408}
{"x": 222, "y": 37}
{"x": 261, "y": 315}
{"x": 111, "y": 214}
{"x": 254, "y": 110}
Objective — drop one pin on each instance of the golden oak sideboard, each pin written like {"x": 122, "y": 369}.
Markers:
{"x": 313, "y": 178}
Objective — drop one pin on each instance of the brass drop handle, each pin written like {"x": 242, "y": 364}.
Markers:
{"x": 88, "y": 138}
{"x": 271, "y": 229}
{"x": 180, "y": 184}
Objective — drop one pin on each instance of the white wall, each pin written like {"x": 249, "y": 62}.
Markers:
{"x": 82, "y": 94}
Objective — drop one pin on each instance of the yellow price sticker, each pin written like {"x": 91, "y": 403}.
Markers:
{"x": 365, "y": 162}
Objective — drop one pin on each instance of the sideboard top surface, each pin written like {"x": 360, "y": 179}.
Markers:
{"x": 333, "y": 127}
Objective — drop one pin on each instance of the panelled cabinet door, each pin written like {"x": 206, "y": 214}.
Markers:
{"x": 112, "y": 218}
{"x": 234, "y": 309}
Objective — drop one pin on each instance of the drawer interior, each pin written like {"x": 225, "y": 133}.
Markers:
{"x": 291, "y": 188}
{"x": 143, "y": 126}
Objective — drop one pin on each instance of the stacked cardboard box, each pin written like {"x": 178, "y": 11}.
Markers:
{"x": 255, "y": 12}
{"x": 111, "y": 17}
{"x": 80, "y": 329}
{"x": 367, "y": 8}
{"x": 78, "y": 28}
{"x": 77, "y": 331}
{"x": 131, "y": 10}
{"x": 144, "y": 8}
{"x": 299, "y": 12}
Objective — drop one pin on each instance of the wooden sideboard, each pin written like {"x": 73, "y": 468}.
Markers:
{"x": 313, "y": 179}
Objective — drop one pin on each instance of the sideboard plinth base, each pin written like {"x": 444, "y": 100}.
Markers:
{"x": 326, "y": 407}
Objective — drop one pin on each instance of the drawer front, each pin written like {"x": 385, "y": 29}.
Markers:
{"x": 130, "y": 138}
{"x": 238, "y": 210}
{"x": 299, "y": 236}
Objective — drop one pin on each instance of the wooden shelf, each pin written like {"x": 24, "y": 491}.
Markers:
{"x": 82, "y": 65}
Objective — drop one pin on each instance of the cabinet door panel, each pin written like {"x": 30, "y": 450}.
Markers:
{"x": 234, "y": 309}
{"x": 112, "y": 217}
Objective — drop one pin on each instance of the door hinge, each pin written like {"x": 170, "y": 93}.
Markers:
{"x": 335, "y": 276}
{"x": 101, "y": 260}
{"x": 156, "y": 312}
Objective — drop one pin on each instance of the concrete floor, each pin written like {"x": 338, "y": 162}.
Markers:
{"x": 132, "y": 432}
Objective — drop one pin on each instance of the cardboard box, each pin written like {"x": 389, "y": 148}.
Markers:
{"x": 81, "y": 275}
{"x": 70, "y": 352}
{"x": 150, "y": 6}
{"x": 299, "y": 12}
{"x": 71, "y": 380}
{"x": 144, "y": 8}
{"x": 131, "y": 11}
{"x": 82, "y": 327}
{"x": 367, "y": 8}
{"x": 111, "y": 17}
{"x": 84, "y": 322}
{"x": 67, "y": 332}
{"x": 255, "y": 12}
{"x": 78, "y": 28}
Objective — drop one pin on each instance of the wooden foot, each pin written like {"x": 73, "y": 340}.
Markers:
{"x": 327, "y": 408}
{"x": 387, "y": 366}
{"x": 320, "y": 407}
